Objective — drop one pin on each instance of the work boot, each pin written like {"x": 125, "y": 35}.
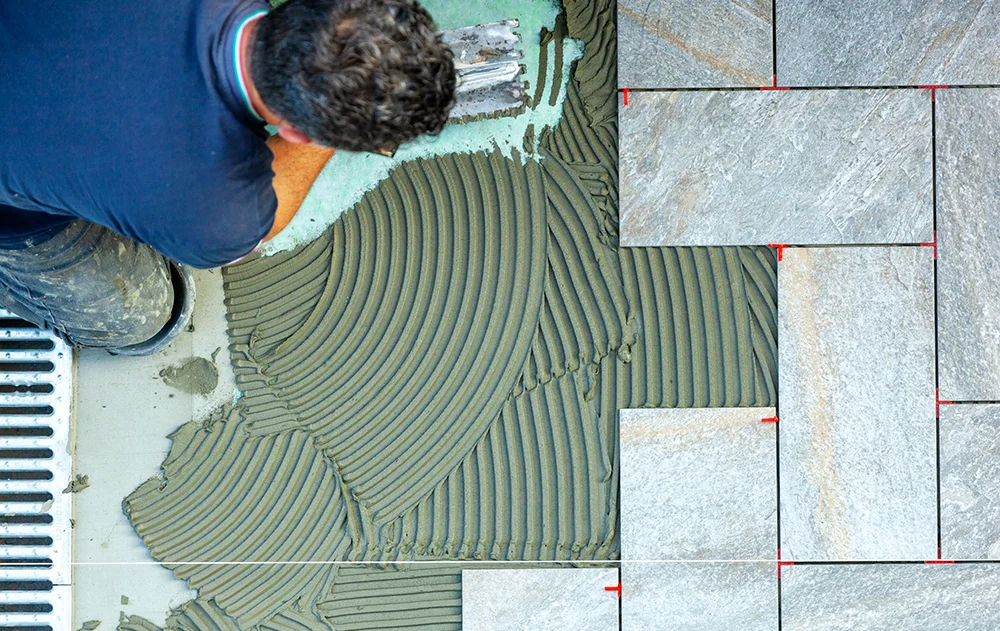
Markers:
{"x": 184, "y": 295}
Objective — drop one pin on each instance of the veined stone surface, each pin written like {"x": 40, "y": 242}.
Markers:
{"x": 912, "y": 597}
{"x": 699, "y": 596}
{"x": 874, "y": 42}
{"x": 970, "y": 481}
{"x": 683, "y": 44}
{"x": 539, "y": 600}
{"x": 968, "y": 144}
{"x": 698, "y": 484}
{"x": 809, "y": 167}
{"x": 857, "y": 431}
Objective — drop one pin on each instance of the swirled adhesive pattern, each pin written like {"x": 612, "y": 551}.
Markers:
{"x": 439, "y": 377}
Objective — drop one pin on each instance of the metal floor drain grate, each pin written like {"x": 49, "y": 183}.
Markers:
{"x": 35, "y": 466}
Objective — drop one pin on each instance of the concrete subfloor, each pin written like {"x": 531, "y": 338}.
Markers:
{"x": 123, "y": 415}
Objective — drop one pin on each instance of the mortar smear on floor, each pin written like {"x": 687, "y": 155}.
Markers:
{"x": 439, "y": 374}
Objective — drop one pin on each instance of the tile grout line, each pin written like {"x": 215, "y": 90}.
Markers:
{"x": 901, "y": 562}
{"x": 569, "y": 562}
{"x": 774, "y": 62}
{"x": 777, "y": 429}
{"x": 621, "y": 618}
{"x": 937, "y": 354}
{"x": 816, "y": 88}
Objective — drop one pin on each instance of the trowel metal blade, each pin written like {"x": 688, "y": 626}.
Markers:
{"x": 488, "y": 66}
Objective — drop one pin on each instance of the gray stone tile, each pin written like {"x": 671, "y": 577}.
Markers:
{"x": 752, "y": 167}
{"x": 698, "y": 484}
{"x": 856, "y": 386}
{"x": 970, "y": 481}
{"x": 891, "y": 598}
{"x": 699, "y": 597}
{"x": 875, "y": 42}
{"x": 571, "y": 599}
{"x": 968, "y": 144}
{"x": 679, "y": 44}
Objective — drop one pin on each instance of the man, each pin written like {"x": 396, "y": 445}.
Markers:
{"x": 133, "y": 136}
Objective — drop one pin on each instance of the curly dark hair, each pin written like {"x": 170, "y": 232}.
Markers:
{"x": 359, "y": 75}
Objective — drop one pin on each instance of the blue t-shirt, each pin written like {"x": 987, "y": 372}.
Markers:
{"x": 131, "y": 114}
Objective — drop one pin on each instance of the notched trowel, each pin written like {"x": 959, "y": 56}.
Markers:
{"x": 489, "y": 70}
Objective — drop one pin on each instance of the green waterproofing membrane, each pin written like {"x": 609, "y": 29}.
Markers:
{"x": 438, "y": 374}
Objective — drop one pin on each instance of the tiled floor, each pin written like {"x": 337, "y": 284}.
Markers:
{"x": 856, "y": 391}
{"x": 875, "y": 42}
{"x": 677, "y": 44}
{"x": 970, "y": 481}
{"x": 719, "y": 465}
{"x": 898, "y": 597}
{"x": 878, "y": 166}
{"x": 752, "y": 167}
{"x": 699, "y": 596}
{"x": 542, "y": 599}
{"x": 968, "y": 135}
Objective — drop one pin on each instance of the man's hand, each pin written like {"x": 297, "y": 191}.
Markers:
{"x": 295, "y": 167}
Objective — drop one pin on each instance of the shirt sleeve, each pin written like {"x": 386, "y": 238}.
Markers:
{"x": 214, "y": 225}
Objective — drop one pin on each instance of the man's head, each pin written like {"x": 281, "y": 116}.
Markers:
{"x": 359, "y": 75}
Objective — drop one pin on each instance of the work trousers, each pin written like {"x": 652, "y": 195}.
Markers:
{"x": 94, "y": 287}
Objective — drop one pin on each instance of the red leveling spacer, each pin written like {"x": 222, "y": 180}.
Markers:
{"x": 770, "y": 419}
{"x": 933, "y": 89}
{"x": 615, "y": 588}
{"x": 625, "y": 94}
{"x": 779, "y": 247}
{"x": 932, "y": 244}
{"x": 774, "y": 85}
{"x": 938, "y": 403}
{"x": 782, "y": 564}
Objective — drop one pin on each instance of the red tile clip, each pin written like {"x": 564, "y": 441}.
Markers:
{"x": 939, "y": 560}
{"x": 782, "y": 564}
{"x": 938, "y": 403}
{"x": 780, "y": 247}
{"x": 774, "y": 85}
{"x": 770, "y": 419}
{"x": 933, "y": 89}
{"x": 932, "y": 244}
{"x": 614, "y": 588}
{"x": 625, "y": 93}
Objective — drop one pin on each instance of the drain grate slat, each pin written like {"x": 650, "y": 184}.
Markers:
{"x": 25, "y": 519}
{"x": 35, "y": 467}
{"x": 26, "y": 586}
{"x": 21, "y": 388}
{"x": 25, "y": 410}
{"x": 26, "y": 453}
{"x": 26, "y": 345}
{"x": 25, "y": 607}
{"x": 26, "y": 366}
{"x": 25, "y": 497}
{"x": 26, "y": 475}
{"x": 13, "y": 322}
{"x": 27, "y": 398}
{"x": 29, "y": 561}
{"x": 25, "y": 432}
{"x": 26, "y": 541}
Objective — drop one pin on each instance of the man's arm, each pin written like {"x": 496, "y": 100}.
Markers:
{"x": 295, "y": 167}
